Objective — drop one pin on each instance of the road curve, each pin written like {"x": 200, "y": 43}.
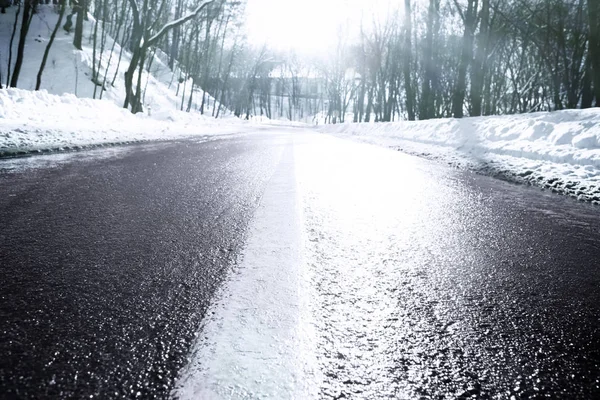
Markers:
{"x": 418, "y": 281}
{"x": 436, "y": 283}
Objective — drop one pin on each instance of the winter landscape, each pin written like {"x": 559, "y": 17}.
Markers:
{"x": 222, "y": 199}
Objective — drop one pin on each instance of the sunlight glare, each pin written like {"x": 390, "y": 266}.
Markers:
{"x": 309, "y": 26}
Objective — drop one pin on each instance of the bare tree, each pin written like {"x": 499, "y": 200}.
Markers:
{"x": 594, "y": 45}
{"x": 469, "y": 18}
{"x": 25, "y": 22}
{"x": 143, "y": 37}
{"x": 10, "y": 45}
{"x": 81, "y": 8}
{"x": 61, "y": 14}
{"x": 426, "y": 108}
{"x": 408, "y": 87}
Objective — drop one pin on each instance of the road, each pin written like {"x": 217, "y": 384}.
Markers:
{"x": 411, "y": 279}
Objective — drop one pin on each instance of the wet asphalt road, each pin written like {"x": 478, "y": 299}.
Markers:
{"x": 439, "y": 284}
{"x": 108, "y": 265}
{"x": 427, "y": 282}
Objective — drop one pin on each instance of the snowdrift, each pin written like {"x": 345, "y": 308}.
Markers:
{"x": 63, "y": 114}
{"x": 558, "y": 150}
{"x": 38, "y": 121}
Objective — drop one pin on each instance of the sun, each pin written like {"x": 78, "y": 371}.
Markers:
{"x": 305, "y": 26}
{"x": 308, "y": 26}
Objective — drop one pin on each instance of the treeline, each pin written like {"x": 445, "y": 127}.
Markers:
{"x": 446, "y": 58}
{"x": 200, "y": 40}
{"x": 454, "y": 58}
{"x": 451, "y": 58}
{"x": 425, "y": 59}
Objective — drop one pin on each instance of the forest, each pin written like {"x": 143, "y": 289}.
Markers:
{"x": 424, "y": 59}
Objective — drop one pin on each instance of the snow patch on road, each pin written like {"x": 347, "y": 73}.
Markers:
{"x": 257, "y": 341}
{"x": 559, "y": 151}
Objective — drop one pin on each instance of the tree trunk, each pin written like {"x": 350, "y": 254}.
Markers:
{"x": 136, "y": 40}
{"x": 587, "y": 91}
{"x": 136, "y": 103}
{"x": 78, "y": 35}
{"x": 216, "y": 94}
{"x": 594, "y": 45}
{"x": 410, "y": 95}
{"x": 207, "y": 62}
{"x": 63, "y": 8}
{"x": 479, "y": 62}
{"x": 26, "y": 20}
{"x": 226, "y": 79}
{"x": 470, "y": 21}
{"x": 126, "y": 38}
{"x": 95, "y": 71}
{"x": 10, "y": 46}
{"x": 369, "y": 105}
{"x": 427, "y": 102}
{"x": 195, "y": 68}
{"x": 112, "y": 50}
{"x": 174, "y": 50}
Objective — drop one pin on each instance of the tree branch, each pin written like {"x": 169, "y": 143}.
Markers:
{"x": 460, "y": 11}
{"x": 173, "y": 24}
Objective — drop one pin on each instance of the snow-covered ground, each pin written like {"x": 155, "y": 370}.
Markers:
{"x": 559, "y": 151}
{"x": 64, "y": 115}
{"x": 38, "y": 121}
{"x": 69, "y": 70}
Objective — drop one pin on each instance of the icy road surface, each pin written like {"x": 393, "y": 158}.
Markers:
{"x": 412, "y": 281}
{"x": 291, "y": 265}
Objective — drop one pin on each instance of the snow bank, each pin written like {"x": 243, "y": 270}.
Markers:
{"x": 38, "y": 121}
{"x": 63, "y": 114}
{"x": 559, "y": 150}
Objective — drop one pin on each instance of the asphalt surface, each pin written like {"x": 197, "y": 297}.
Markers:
{"x": 427, "y": 282}
{"x": 109, "y": 263}
{"x": 437, "y": 283}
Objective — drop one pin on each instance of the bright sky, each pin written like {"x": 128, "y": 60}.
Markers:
{"x": 307, "y": 25}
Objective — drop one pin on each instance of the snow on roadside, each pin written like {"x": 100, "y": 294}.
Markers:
{"x": 559, "y": 151}
{"x": 38, "y": 121}
{"x": 63, "y": 115}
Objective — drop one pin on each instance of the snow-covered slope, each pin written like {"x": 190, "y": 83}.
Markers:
{"x": 559, "y": 150}
{"x": 64, "y": 115}
{"x": 33, "y": 121}
{"x": 70, "y": 71}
